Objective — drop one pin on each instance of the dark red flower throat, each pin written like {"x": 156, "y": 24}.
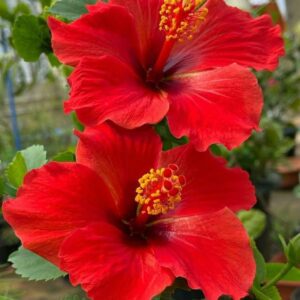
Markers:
{"x": 180, "y": 19}
{"x": 159, "y": 191}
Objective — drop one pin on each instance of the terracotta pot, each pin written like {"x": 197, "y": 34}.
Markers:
{"x": 287, "y": 289}
{"x": 289, "y": 171}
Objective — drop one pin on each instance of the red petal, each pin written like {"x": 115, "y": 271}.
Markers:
{"x": 109, "y": 30}
{"x": 120, "y": 157}
{"x": 107, "y": 89}
{"x": 146, "y": 17}
{"x": 217, "y": 106}
{"x": 109, "y": 266}
{"x": 210, "y": 185}
{"x": 230, "y": 35}
{"x": 53, "y": 201}
{"x": 212, "y": 252}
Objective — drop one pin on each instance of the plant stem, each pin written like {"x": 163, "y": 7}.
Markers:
{"x": 258, "y": 293}
{"x": 283, "y": 272}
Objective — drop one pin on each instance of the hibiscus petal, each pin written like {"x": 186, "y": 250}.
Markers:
{"x": 146, "y": 17}
{"x": 210, "y": 185}
{"x": 216, "y": 106}
{"x": 53, "y": 201}
{"x": 109, "y": 265}
{"x": 109, "y": 30}
{"x": 107, "y": 89}
{"x": 120, "y": 157}
{"x": 212, "y": 252}
{"x": 230, "y": 35}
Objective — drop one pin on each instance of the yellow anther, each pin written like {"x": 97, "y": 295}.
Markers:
{"x": 176, "y": 10}
{"x": 181, "y": 18}
{"x": 159, "y": 191}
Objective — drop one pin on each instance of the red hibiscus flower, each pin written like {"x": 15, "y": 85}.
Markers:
{"x": 126, "y": 218}
{"x": 138, "y": 61}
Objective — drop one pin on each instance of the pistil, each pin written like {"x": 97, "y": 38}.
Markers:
{"x": 159, "y": 191}
{"x": 180, "y": 19}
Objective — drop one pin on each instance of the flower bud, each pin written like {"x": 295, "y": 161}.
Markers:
{"x": 293, "y": 250}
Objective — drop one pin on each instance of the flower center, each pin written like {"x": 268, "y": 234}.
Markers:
{"x": 180, "y": 20}
{"x": 159, "y": 191}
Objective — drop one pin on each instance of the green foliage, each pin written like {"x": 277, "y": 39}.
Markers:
{"x": 64, "y": 156}
{"x": 21, "y": 9}
{"x": 262, "y": 152}
{"x": 169, "y": 141}
{"x": 254, "y": 221}
{"x": 293, "y": 250}
{"x": 45, "y": 3}
{"x": 70, "y": 9}
{"x": 282, "y": 87}
{"x": 260, "y": 275}
{"x": 24, "y": 161}
{"x": 16, "y": 170}
{"x": 33, "y": 267}
{"x": 31, "y": 37}
{"x": 4, "y": 12}
{"x": 78, "y": 125}
{"x": 35, "y": 157}
{"x": 274, "y": 268}
{"x": 2, "y": 185}
{"x": 10, "y": 14}
{"x": 270, "y": 293}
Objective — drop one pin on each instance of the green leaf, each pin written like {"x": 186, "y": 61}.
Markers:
{"x": 21, "y": 8}
{"x": 254, "y": 221}
{"x": 78, "y": 125}
{"x": 9, "y": 190}
{"x": 260, "y": 265}
{"x": 274, "y": 268}
{"x": 70, "y": 9}
{"x": 33, "y": 267}
{"x": 31, "y": 37}
{"x": 16, "y": 171}
{"x": 53, "y": 60}
{"x": 24, "y": 161}
{"x": 64, "y": 156}
{"x": 5, "y": 298}
{"x": 2, "y": 185}
{"x": 293, "y": 250}
{"x": 169, "y": 141}
{"x": 4, "y": 12}
{"x": 34, "y": 156}
{"x": 45, "y": 2}
{"x": 270, "y": 293}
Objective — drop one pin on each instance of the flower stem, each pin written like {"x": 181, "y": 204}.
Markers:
{"x": 259, "y": 294}
{"x": 274, "y": 280}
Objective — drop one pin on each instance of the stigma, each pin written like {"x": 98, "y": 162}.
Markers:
{"x": 159, "y": 190}
{"x": 180, "y": 19}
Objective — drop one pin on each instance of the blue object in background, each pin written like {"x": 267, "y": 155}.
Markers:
{"x": 11, "y": 98}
